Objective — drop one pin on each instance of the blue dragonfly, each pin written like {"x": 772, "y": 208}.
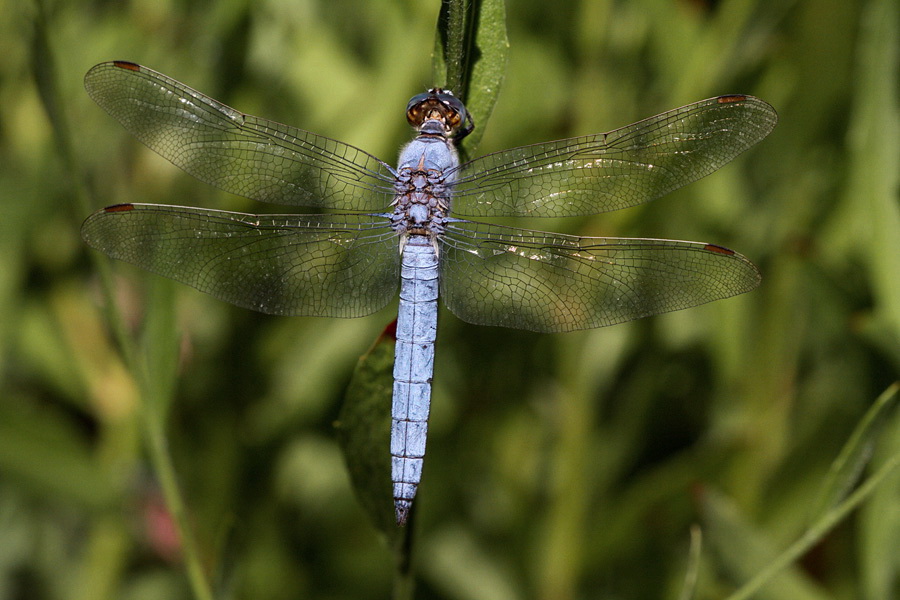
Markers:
{"x": 397, "y": 227}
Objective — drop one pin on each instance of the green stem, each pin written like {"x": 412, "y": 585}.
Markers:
{"x": 160, "y": 458}
{"x": 456, "y": 40}
{"x": 815, "y": 533}
{"x": 152, "y": 420}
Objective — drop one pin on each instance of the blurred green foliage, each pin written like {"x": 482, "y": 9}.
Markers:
{"x": 560, "y": 466}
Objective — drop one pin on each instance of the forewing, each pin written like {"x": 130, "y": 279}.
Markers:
{"x": 238, "y": 153}
{"x": 609, "y": 171}
{"x": 333, "y": 265}
{"x": 547, "y": 282}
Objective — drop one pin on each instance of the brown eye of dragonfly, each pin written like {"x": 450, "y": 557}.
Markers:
{"x": 436, "y": 105}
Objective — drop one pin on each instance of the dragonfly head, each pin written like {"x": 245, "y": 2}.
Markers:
{"x": 438, "y": 112}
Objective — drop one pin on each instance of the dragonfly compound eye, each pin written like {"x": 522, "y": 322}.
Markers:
{"x": 436, "y": 105}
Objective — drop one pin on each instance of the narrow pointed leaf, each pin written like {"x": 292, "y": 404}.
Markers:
{"x": 470, "y": 57}
{"x": 364, "y": 428}
{"x": 879, "y": 523}
{"x": 743, "y": 551}
{"x": 847, "y": 469}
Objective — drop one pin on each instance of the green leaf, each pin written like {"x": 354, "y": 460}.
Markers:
{"x": 745, "y": 551}
{"x": 470, "y": 57}
{"x": 873, "y": 156}
{"x": 43, "y": 452}
{"x": 846, "y": 469}
{"x": 364, "y": 427}
{"x": 879, "y": 523}
{"x": 689, "y": 588}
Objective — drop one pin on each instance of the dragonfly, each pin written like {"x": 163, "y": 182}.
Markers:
{"x": 388, "y": 228}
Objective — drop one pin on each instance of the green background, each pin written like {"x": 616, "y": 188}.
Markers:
{"x": 559, "y": 466}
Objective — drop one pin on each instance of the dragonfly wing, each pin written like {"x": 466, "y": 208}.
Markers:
{"x": 238, "y": 153}
{"x": 548, "y": 282}
{"x": 333, "y": 265}
{"x": 609, "y": 171}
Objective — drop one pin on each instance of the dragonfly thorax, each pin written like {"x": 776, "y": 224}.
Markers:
{"x": 422, "y": 202}
{"x": 423, "y": 186}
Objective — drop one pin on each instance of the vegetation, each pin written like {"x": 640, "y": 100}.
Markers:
{"x": 584, "y": 465}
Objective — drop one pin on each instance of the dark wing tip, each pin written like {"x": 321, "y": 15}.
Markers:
{"x": 728, "y": 99}
{"x": 118, "y": 208}
{"x": 749, "y": 272}
{"x": 719, "y": 249}
{"x": 98, "y": 69}
{"x": 124, "y": 64}
{"x": 753, "y": 101}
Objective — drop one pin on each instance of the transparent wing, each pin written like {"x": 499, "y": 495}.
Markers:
{"x": 609, "y": 171}
{"x": 548, "y": 282}
{"x": 238, "y": 153}
{"x": 334, "y": 265}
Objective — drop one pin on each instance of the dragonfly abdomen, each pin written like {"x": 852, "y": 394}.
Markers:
{"x": 413, "y": 368}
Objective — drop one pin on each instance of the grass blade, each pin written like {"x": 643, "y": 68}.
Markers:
{"x": 845, "y": 471}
